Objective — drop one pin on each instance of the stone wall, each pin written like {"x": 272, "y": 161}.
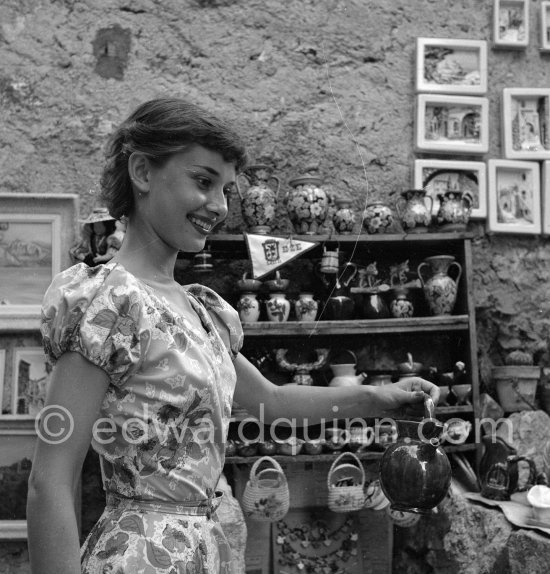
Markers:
{"x": 311, "y": 83}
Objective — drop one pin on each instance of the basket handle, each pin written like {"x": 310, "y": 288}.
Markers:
{"x": 338, "y": 460}
{"x": 278, "y": 473}
{"x": 265, "y": 459}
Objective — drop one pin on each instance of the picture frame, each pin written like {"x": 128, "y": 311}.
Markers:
{"x": 450, "y": 66}
{"x": 28, "y": 382}
{"x": 510, "y": 24}
{"x": 452, "y": 124}
{"x": 544, "y": 20}
{"x": 525, "y": 123}
{"x": 514, "y": 198}
{"x": 437, "y": 176}
{"x": 545, "y": 193}
{"x": 36, "y": 232}
{"x": 17, "y": 443}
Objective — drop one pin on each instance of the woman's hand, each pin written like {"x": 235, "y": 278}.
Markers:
{"x": 406, "y": 397}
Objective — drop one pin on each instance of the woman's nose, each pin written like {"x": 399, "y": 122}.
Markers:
{"x": 218, "y": 206}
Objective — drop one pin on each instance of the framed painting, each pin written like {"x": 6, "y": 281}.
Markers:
{"x": 545, "y": 26}
{"x": 438, "y": 176}
{"x": 36, "y": 232}
{"x": 451, "y": 66}
{"x": 514, "y": 196}
{"x": 452, "y": 124}
{"x": 545, "y": 193}
{"x": 525, "y": 123}
{"x": 510, "y": 24}
{"x": 17, "y": 442}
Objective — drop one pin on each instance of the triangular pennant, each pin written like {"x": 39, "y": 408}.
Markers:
{"x": 268, "y": 252}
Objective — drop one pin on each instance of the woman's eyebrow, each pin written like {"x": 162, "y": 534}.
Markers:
{"x": 208, "y": 169}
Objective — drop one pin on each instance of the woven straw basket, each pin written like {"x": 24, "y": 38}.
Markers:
{"x": 345, "y": 484}
{"x": 266, "y": 497}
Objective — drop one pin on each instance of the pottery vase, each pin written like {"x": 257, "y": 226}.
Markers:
{"x": 248, "y": 307}
{"x": 339, "y": 306}
{"x": 306, "y": 307}
{"x": 344, "y": 217}
{"x": 401, "y": 307}
{"x": 278, "y": 307}
{"x": 454, "y": 211}
{"x": 415, "y": 473}
{"x": 440, "y": 289}
{"x": 259, "y": 200}
{"x": 377, "y": 217}
{"x": 307, "y": 204}
{"x": 414, "y": 213}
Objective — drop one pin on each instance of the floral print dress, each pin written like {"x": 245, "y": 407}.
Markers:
{"x": 163, "y": 421}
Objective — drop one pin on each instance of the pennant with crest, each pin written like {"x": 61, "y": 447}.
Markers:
{"x": 268, "y": 252}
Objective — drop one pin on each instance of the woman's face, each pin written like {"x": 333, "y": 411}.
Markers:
{"x": 187, "y": 197}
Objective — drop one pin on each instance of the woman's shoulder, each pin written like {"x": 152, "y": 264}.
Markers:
{"x": 208, "y": 297}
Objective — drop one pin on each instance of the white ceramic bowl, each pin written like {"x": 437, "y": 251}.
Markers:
{"x": 539, "y": 499}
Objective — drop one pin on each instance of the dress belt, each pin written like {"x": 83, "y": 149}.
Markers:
{"x": 205, "y": 507}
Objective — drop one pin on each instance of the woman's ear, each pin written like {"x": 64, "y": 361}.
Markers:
{"x": 138, "y": 169}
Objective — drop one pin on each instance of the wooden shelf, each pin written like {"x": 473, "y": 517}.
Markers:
{"x": 357, "y": 326}
{"x": 329, "y": 457}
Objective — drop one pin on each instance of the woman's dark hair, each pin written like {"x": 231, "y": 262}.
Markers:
{"x": 159, "y": 128}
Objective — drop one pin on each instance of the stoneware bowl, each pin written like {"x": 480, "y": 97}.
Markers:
{"x": 313, "y": 446}
{"x": 539, "y": 499}
{"x": 290, "y": 447}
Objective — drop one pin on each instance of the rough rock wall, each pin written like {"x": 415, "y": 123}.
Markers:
{"x": 322, "y": 83}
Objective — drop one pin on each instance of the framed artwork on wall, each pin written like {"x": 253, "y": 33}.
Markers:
{"x": 525, "y": 123}
{"x": 545, "y": 193}
{"x": 451, "y": 66}
{"x": 545, "y": 26}
{"x": 36, "y": 232}
{"x": 438, "y": 176}
{"x": 510, "y": 24}
{"x": 452, "y": 124}
{"x": 17, "y": 442}
{"x": 514, "y": 196}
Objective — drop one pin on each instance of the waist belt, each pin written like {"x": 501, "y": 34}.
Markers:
{"x": 205, "y": 507}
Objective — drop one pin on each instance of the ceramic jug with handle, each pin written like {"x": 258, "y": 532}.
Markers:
{"x": 344, "y": 374}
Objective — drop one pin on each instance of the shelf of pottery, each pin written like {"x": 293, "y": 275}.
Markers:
{"x": 390, "y": 287}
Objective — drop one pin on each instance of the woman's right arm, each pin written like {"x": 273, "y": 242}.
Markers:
{"x": 76, "y": 391}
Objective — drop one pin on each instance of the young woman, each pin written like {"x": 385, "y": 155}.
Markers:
{"x": 147, "y": 369}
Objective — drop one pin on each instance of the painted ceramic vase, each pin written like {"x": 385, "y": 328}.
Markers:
{"x": 415, "y": 473}
{"x": 307, "y": 204}
{"x": 344, "y": 217}
{"x": 454, "y": 210}
{"x": 278, "y": 307}
{"x": 377, "y": 217}
{"x": 259, "y": 200}
{"x": 248, "y": 307}
{"x": 401, "y": 306}
{"x": 306, "y": 307}
{"x": 440, "y": 289}
{"x": 414, "y": 213}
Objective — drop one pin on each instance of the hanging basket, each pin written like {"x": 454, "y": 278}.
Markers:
{"x": 345, "y": 484}
{"x": 516, "y": 386}
{"x": 266, "y": 497}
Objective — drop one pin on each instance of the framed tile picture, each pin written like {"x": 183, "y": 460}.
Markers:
{"x": 545, "y": 193}
{"x": 510, "y": 24}
{"x": 29, "y": 381}
{"x": 514, "y": 196}
{"x": 545, "y": 26}
{"x": 36, "y": 232}
{"x": 525, "y": 123}
{"x": 438, "y": 176}
{"x": 452, "y": 124}
{"x": 451, "y": 66}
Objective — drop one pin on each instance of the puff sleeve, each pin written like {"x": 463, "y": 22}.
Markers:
{"x": 225, "y": 318}
{"x": 91, "y": 311}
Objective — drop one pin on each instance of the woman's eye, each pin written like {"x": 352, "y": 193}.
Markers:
{"x": 203, "y": 182}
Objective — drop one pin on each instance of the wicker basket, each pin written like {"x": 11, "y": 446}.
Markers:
{"x": 345, "y": 484}
{"x": 266, "y": 497}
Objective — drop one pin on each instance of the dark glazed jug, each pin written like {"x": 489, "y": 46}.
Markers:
{"x": 415, "y": 473}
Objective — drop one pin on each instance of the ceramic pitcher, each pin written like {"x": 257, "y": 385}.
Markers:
{"x": 259, "y": 200}
{"x": 440, "y": 289}
{"x": 414, "y": 212}
{"x": 454, "y": 211}
{"x": 307, "y": 204}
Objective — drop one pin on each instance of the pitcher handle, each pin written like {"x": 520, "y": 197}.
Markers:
{"x": 398, "y": 203}
{"x": 237, "y": 187}
{"x": 459, "y": 274}
{"x": 278, "y": 185}
{"x": 431, "y": 199}
{"x": 422, "y": 265}
{"x": 353, "y": 273}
